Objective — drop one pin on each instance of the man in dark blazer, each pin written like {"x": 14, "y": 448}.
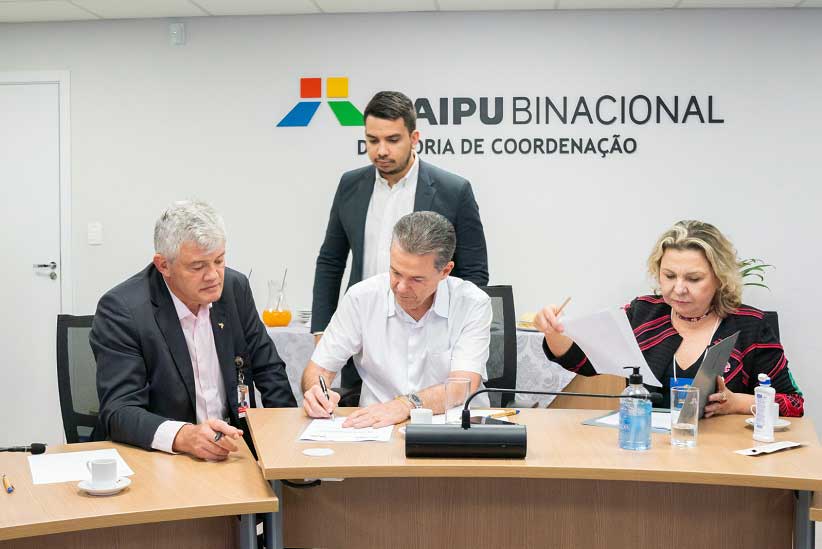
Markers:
{"x": 184, "y": 316}
{"x": 391, "y": 135}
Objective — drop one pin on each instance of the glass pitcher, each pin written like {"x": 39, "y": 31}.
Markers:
{"x": 276, "y": 312}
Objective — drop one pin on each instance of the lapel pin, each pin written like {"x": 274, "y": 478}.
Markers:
{"x": 221, "y": 325}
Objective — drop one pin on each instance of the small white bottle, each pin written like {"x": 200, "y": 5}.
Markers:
{"x": 764, "y": 397}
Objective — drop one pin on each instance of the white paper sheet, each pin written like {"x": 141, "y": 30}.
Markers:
{"x": 659, "y": 420}
{"x": 608, "y": 341}
{"x": 331, "y": 430}
{"x": 71, "y": 466}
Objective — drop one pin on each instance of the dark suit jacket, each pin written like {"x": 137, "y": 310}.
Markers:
{"x": 144, "y": 371}
{"x": 437, "y": 190}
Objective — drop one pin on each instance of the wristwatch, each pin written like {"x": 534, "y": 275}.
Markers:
{"x": 414, "y": 399}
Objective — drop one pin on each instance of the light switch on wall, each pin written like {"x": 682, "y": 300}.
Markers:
{"x": 95, "y": 233}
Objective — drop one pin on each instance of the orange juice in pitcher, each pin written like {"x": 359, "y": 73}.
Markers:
{"x": 276, "y": 312}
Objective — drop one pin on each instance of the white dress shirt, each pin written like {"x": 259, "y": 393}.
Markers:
{"x": 209, "y": 389}
{"x": 388, "y": 204}
{"x": 396, "y": 355}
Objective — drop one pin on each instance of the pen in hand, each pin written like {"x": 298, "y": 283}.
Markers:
{"x": 324, "y": 388}
{"x": 561, "y": 307}
{"x": 220, "y": 434}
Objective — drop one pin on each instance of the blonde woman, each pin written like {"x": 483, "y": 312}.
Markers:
{"x": 697, "y": 302}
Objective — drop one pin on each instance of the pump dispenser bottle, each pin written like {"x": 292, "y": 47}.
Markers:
{"x": 635, "y": 415}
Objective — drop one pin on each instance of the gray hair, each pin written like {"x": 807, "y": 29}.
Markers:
{"x": 423, "y": 233}
{"x": 188, "y": 221}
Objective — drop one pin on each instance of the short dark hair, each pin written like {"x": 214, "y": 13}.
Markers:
{"x": 390, "y": 105}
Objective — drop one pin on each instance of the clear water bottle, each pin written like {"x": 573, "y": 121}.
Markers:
{"x": 635, "y": 415}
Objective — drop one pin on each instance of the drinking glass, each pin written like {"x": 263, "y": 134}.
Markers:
{"x": 684, "y": 415}
{"x": 457, "y": 390}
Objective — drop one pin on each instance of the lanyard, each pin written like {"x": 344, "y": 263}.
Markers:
{"x": 713, "y": 333}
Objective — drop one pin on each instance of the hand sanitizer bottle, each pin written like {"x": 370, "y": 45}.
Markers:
{"x": 635, "y": 415}
{"x": 764, "y": 397}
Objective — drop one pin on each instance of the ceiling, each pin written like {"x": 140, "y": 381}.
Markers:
{"x": 23, "y": 11}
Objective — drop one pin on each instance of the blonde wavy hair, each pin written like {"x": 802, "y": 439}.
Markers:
{"x": 718, "y": 250}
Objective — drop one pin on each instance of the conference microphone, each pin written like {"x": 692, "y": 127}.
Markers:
{"x": 483, "y": 441}
{"x": 35, "y": 448}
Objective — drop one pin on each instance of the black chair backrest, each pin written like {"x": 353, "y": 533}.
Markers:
{"x": 502, "y": 358}
{"x": 76, "y": 377}
{"x": 773, "y": 321}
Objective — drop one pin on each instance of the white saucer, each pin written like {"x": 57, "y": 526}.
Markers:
{"x": 779, "y": 425}
{"x": 118, "y": 486}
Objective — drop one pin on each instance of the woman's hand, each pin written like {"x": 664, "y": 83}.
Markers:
{"x": 547, "y": 321}
{"x": 725, "y": 401}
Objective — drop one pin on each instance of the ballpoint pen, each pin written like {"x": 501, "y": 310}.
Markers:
{"x": 506, "y": 413}
{"x": 561, "y": 307}
{"x": 324, "y": 388}
{"x": 7, "y": 485}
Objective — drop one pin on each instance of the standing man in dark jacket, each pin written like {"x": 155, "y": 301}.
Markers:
{"x": 370, "y": 200}
{"x": 175, "y": 343}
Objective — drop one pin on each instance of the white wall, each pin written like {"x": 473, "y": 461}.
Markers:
{"x": 152, "y": 123}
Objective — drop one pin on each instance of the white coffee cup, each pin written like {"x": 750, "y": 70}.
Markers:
{"x": 103, "y": 472}
{"x": 774, "y": 411}
{"x": 421, "y": 416}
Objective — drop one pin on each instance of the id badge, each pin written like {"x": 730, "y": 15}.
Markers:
{"x": 680, "y": 382}
{"x": 242, "y": 399}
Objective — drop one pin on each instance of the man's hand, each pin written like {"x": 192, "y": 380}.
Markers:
{"x": 198, "y": 440}
{"x": 379, "y": 415}
{"x": 316, "y": 405}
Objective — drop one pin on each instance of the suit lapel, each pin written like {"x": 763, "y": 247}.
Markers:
{"x": 358, "y": 210}
{"x": 424, "y": 196}
{"x": 225, "y": 350}
{"x": 169, "y": 324}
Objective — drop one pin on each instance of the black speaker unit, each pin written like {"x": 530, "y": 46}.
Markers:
{"x": 480, "y": 441}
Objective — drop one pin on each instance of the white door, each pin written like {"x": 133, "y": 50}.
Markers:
{"x": 30, "y": 296}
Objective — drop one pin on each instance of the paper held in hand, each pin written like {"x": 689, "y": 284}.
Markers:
{"x": 608, "y": 341}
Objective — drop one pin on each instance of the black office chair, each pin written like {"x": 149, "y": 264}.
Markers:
{"x": 76, "y": 377}
{"x": 502, "y": 358}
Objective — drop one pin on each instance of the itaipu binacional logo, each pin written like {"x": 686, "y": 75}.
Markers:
{"x": 336, "y": 92}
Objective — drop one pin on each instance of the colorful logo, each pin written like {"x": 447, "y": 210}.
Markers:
{"x": 311, "y": 88}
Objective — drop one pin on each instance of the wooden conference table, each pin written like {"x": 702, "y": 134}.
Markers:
{"x": 174, "y": 501}
{"x": 575, "y": 488}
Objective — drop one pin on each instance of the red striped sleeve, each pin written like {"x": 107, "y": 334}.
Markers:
{"x": 651, "y": 299}
{"x": 733, "y": 374}
{"x": 780, "y": 365}
{"x": 755, "y": 346}
{"x": 792, "y": 405}
{"x": 650, "y": 325}
{"x": 741, "y": 311}
{"x": 656, "y": 340}
{"x": 580, "y": 365}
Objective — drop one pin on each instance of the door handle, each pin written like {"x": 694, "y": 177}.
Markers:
{"x": 51, "y": 265}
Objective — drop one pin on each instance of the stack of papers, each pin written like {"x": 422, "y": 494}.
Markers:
{"x": 660, "y": 421}
{"x": 71, "y": 466}
{"x": 608, "y": 341}
{"x": 331, "y": 430}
